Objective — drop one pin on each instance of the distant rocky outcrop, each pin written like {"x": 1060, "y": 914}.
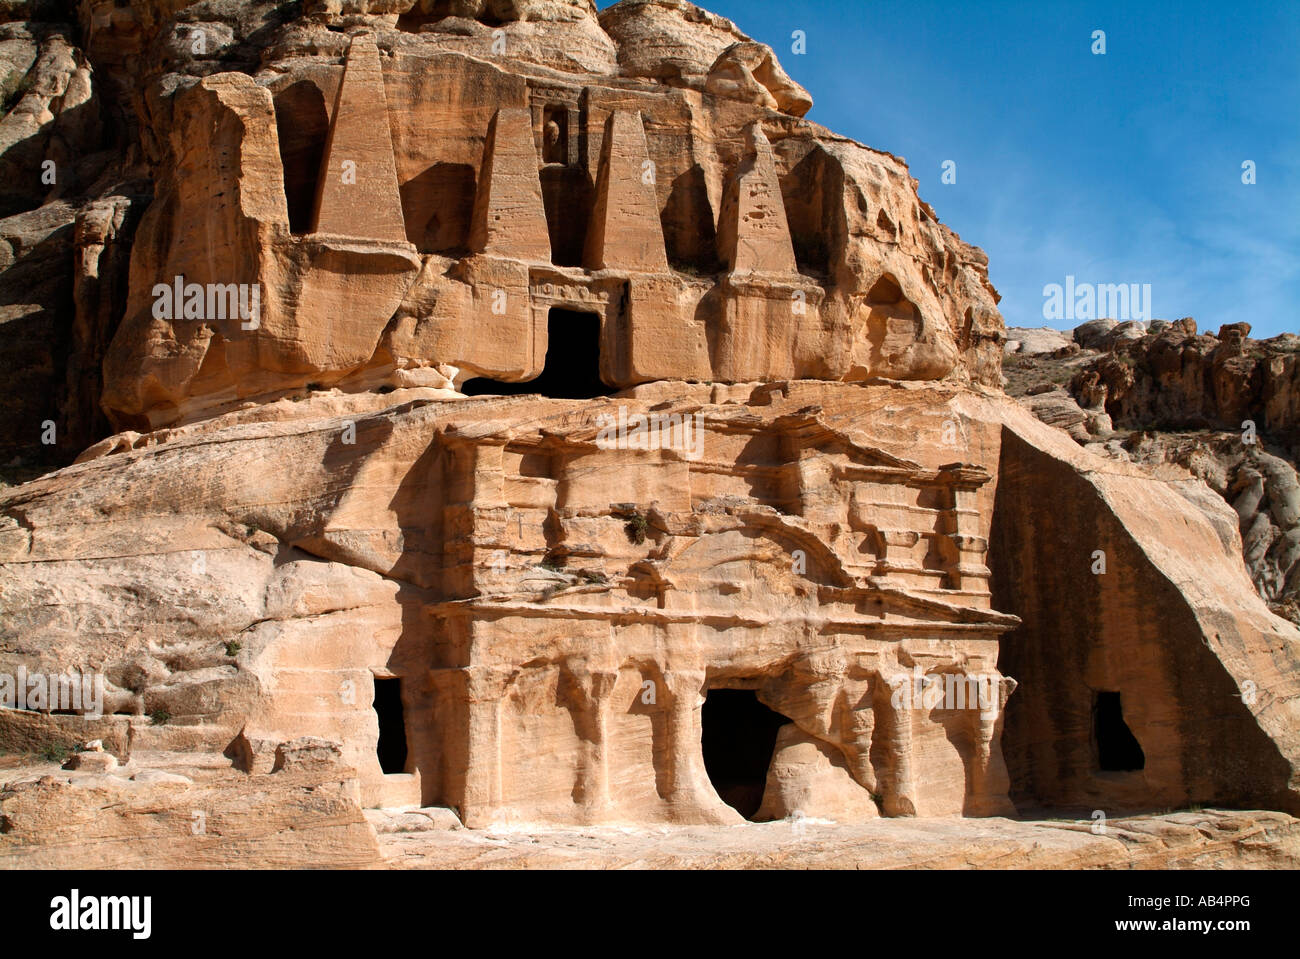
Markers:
{"x": 1224, "y": 407}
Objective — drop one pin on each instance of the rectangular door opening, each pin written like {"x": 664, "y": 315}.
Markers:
{"x": 392, "y": 725}
{"x": 1117, "y": 748}
{"x": 572, "y": 369}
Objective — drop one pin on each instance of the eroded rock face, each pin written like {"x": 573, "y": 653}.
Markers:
{"x": 70, "y": 194}
{"x": 102, "y": 816}
{"x": 331, "y": 555}
{"x": 1219, "y": 408}
{"x": 1101, "y": 556}
{"x": 572, "y": 554}
{"x": 749, "y": 71}
{"x": 557, "y": 608}
{"x": 331, "y": 148}
{"x": 1263, "y": 491}
{"x": 668, "y": 40}
{"x": 1175, "y": 378}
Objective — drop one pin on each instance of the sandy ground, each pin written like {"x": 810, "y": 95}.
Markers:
{"x": 1202, "y": 839}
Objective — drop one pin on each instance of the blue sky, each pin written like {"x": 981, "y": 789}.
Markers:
{"x": 1122, "y": 168}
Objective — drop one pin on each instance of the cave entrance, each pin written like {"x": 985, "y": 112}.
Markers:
{"x": 392, "y": 725}
{"x": 738, "y": 739}
{"x": 572, "y": 369}
{"x": 1117, "y": 748}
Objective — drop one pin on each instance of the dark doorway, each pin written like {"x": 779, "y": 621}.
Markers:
{"x": 572, "y": 370}
{"x": 302, "y": 124}
{"x": 392, "y": 725}
{"x": 1117, "y": 747}
{"x": 738, "y": 738}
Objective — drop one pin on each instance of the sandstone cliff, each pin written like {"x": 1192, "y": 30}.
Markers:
{"x": 233, "y": 125}
{"x": 498, "y": 411}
